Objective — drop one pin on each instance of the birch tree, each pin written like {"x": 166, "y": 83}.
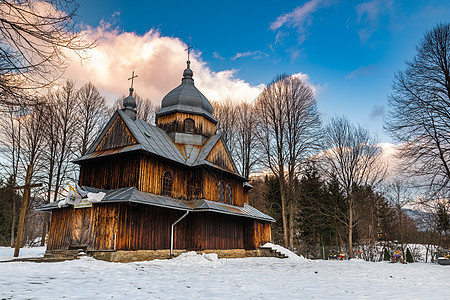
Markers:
{"x": 288, "y": 122}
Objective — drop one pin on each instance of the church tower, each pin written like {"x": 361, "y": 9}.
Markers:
{"x": 186, "y": 114}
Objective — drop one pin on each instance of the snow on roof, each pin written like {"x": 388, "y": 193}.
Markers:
{"x": 133, "y": 195}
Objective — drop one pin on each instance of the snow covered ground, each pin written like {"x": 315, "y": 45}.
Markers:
{"x": 193, "y": 276}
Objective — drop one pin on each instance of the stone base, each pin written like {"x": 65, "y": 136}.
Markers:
{"x": 143, "y": 255}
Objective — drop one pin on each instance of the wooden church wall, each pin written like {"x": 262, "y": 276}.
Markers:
{"x": 146, "y": 227}
{"x": 111, "y": 173}
{"x": 175, "y": 123}
{"x": 104, "y": 226}
{"x": 219, "y": 157}
{"x": 118, "y": 135}
{"x": 257, "y": 234}
{"x": 211, "y": 187}
{"x": 151, "y": 172}
{"x": 124, "y": 226}
{"x": 201, "y": 231}
{"x": 69, "y": 226}
{"x": 60, "y": 230}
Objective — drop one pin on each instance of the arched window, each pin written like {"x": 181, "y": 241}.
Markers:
{"x": 221, "y": 191}
{"x": 167, "y": 184}
{"x": 189, "y": 125}
{"x": 229, "y": 194}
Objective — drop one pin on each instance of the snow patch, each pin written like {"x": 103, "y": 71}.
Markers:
{"x": 285, "y": 251}
{"x": 193, "y": 257}
{"x": 7, "y": 253}
{"x": 194, "y": 276}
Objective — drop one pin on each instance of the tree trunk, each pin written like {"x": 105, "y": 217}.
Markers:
{"x": 45, "y": 228}
{"x": 291, "y": 223}
{"x": 13, "y": 225}
{"x": 284, "y": 211}
{"x": 350, "y": 231}
{"x": 23, "y": 210}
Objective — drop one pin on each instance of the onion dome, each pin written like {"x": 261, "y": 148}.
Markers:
{"x": 129, "y": 104}
{"x": 186, "y": 98}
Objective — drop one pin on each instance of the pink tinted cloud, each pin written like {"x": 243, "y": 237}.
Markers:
{"x": 158, "y": 61}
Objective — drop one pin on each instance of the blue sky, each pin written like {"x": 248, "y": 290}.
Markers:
{"x": 350, "y": 50}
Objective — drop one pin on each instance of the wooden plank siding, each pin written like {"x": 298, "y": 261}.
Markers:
{"x": 104, "y": 227}
{"x": 81, "y": 226}
{"x": 258, "y": 233}
{"x": 125, "y": 226}
{"x": 175, "y": 123}
{"x": 211, "y": 186}
{"x": 145, "y": 173}
{"x": 219, "y": 157}
{"x": 60, "y": 230}
{"x": 151, "y": 172}
{"x": 118, "y": 135}
{"x": 122, "y": 171}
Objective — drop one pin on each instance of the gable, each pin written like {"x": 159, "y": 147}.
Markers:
{"x": 117, "y": 135}
{"x": 219, "y": 156}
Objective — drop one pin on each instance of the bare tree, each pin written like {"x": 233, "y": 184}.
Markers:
{"x": 92, "y": 114}
{"x": 225, "y": 114}
{"x": 352, "y": 157}
{"x": 145, "y": 109}
{"x": 34, "y": 35}
{"x": 245, "y": 136}
{"x": 10, "y": 149}
{"x": 420, "y": 116}
{"x": 64, "y": 107}
{"x": 399, "y": 196}
{"x": 303, "y": 136}
{"x": 287, "y": 123}
{"x": 32, "y": 143}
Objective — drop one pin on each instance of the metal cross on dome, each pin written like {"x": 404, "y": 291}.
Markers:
{"x": 132, "y": 78}
{"x": 188, "y": 49}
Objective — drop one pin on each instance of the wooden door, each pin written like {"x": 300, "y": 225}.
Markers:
{"x": 81, "y": 226}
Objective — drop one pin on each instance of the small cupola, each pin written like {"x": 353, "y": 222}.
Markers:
{"x": 129, "y": 103}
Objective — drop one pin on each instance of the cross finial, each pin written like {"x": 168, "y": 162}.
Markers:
{"x": 132, "y": 78}
{"x": 188, "y": 49}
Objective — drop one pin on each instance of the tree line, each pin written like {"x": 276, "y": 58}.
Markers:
{"x": 325, "y": 182}
{"x": 47, "y": 135}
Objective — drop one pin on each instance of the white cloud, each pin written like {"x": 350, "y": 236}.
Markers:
{"x": 300, "y": 18}
{"x": 362, "y": 71}
{"x": 217, "y": 55}
{"x": 369, "y": 15}
{"x": 159, "y": 62}
{"x": 305, "y": 78}
{"x": 253, "y": 54}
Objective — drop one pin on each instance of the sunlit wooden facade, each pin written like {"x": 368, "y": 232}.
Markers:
{"x": 181, "y": 160}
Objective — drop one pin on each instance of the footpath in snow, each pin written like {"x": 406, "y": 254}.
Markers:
{"x": 204, "y": 276}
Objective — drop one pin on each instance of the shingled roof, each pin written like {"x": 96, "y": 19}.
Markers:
{"x": 156, "y": 141}
{"x": 133, "y": 195}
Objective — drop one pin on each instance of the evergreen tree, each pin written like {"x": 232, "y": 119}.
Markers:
{"x": 386, "y": 255}
{"x": 409, "y": 258}
{"x": 272, "y": 198}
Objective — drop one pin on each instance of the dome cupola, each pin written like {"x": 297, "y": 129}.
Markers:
{"x": 186, "y": 98}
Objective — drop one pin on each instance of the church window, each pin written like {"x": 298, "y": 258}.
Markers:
{"x": 167, "y": 184}
{"x": 229, "y": 194}
{"x": 189, "y": 125}
{"x": 221, "y": 191}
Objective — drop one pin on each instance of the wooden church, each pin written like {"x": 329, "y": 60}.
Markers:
{"x": 169, "y": 188}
